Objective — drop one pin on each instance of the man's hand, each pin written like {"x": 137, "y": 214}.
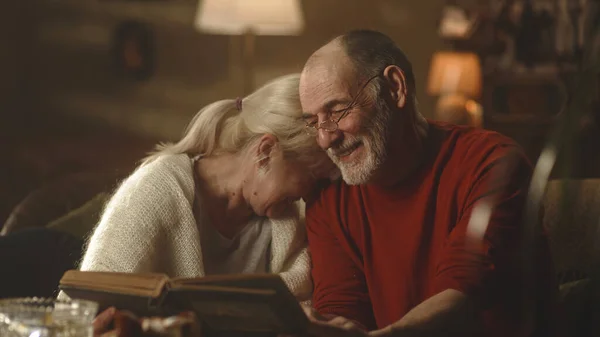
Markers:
{"x": 312, "y": 314}
{"x": 322, "y": 326}
{"x": 339, "y": 326}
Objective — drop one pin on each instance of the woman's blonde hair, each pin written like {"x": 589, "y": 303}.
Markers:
{"x": 230, "y": 125}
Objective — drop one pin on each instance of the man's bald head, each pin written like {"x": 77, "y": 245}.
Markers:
{"x": 367, "y": 51}
{"x": 328, "y": 54}
{"x": 329, "y": 61}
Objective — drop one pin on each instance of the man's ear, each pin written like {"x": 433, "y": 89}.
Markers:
{"x": 265, "y": 149}
{"x": 397, "y": 81}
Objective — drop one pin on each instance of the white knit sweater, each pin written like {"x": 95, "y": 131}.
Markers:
{"x": 149, "y": 226}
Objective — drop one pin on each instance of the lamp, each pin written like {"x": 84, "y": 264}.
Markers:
{"x": 249, "y": 18}
{"x": 456, "y": 78}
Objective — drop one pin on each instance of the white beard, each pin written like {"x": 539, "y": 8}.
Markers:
{"x": 374, "y": 140}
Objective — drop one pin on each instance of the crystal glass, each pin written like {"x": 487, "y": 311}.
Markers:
{"x": 43, "y": 317}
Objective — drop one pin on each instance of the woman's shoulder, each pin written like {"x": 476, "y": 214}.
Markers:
{"x": 167, "y": 172}
{"x": 158, "y": 188}
{"x": 167, "y": 165}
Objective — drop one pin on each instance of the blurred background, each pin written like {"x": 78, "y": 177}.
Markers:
{"x": 57, "y": 56}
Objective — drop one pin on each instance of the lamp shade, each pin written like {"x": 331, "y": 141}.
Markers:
{"x": 454, "y": 73}
{"x": 261, "y": 17}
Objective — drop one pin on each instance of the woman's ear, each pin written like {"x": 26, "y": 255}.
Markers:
{"x": 397, "y": 81}
{"x": 265, "y": 149}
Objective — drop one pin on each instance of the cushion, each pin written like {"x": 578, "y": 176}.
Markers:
{"x": 81, "y": 221}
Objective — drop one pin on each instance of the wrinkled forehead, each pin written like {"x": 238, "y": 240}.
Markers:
{"x": 324, "y": 81}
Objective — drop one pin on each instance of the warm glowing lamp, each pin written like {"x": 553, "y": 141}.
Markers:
{"x": 249, "y": 18}
{"x": 456, "y": 78}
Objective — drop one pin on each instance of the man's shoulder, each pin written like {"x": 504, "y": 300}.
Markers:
{"x": 467, "y": 135}
{"x": 475, "y": 145}
{"x": 488, "y": 138}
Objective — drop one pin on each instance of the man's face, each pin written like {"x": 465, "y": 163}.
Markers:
{"x": 358, "y": 146}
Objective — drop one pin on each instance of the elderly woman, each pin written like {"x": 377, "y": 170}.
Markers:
{"x": 224, "y": 199}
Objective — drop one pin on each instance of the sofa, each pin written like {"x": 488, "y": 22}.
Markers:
{"x": 61, "y": 197}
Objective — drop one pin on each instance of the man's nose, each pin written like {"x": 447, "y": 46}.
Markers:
{"x": 327, "y": 139}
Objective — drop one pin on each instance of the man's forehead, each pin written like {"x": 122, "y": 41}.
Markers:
{"x": 323, "y": 82}
{"x": 317, "y": 88}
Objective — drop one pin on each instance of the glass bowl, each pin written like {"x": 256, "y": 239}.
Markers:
{"x": 46, "y": 317}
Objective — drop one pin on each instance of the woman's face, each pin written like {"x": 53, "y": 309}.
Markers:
{"x": 279, "y": 182}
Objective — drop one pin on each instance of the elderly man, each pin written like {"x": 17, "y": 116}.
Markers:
{"x": 424, "y": 235}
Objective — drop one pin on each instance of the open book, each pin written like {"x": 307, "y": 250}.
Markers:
{"x": 243, "y": 303}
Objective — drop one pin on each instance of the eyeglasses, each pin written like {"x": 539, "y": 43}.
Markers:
{"x": 331, "y": 124}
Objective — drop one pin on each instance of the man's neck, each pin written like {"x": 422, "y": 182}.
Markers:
{"x": 405, "y": 155}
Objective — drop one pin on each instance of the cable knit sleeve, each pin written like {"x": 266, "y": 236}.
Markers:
{"x": 290, "y": 257}
{"x": 297, "y": 275}
{"x": 129, "y": 235}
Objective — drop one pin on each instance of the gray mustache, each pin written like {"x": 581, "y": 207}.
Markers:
{"x": 343, "y": 148}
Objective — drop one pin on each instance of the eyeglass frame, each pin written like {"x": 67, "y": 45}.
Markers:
{"x": 345, "y": 111}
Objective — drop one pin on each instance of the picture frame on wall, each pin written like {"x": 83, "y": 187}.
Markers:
{"x": 133, "y": 50}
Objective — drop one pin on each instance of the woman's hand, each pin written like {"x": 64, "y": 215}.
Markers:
{"x": 186, "y": 323}
{"x": 114, "y": 323}
{"x": 126, "y": 324}
{"x": 103, "y": 321}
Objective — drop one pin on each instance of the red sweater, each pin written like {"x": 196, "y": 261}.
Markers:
{"x": 378, "y": 252}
